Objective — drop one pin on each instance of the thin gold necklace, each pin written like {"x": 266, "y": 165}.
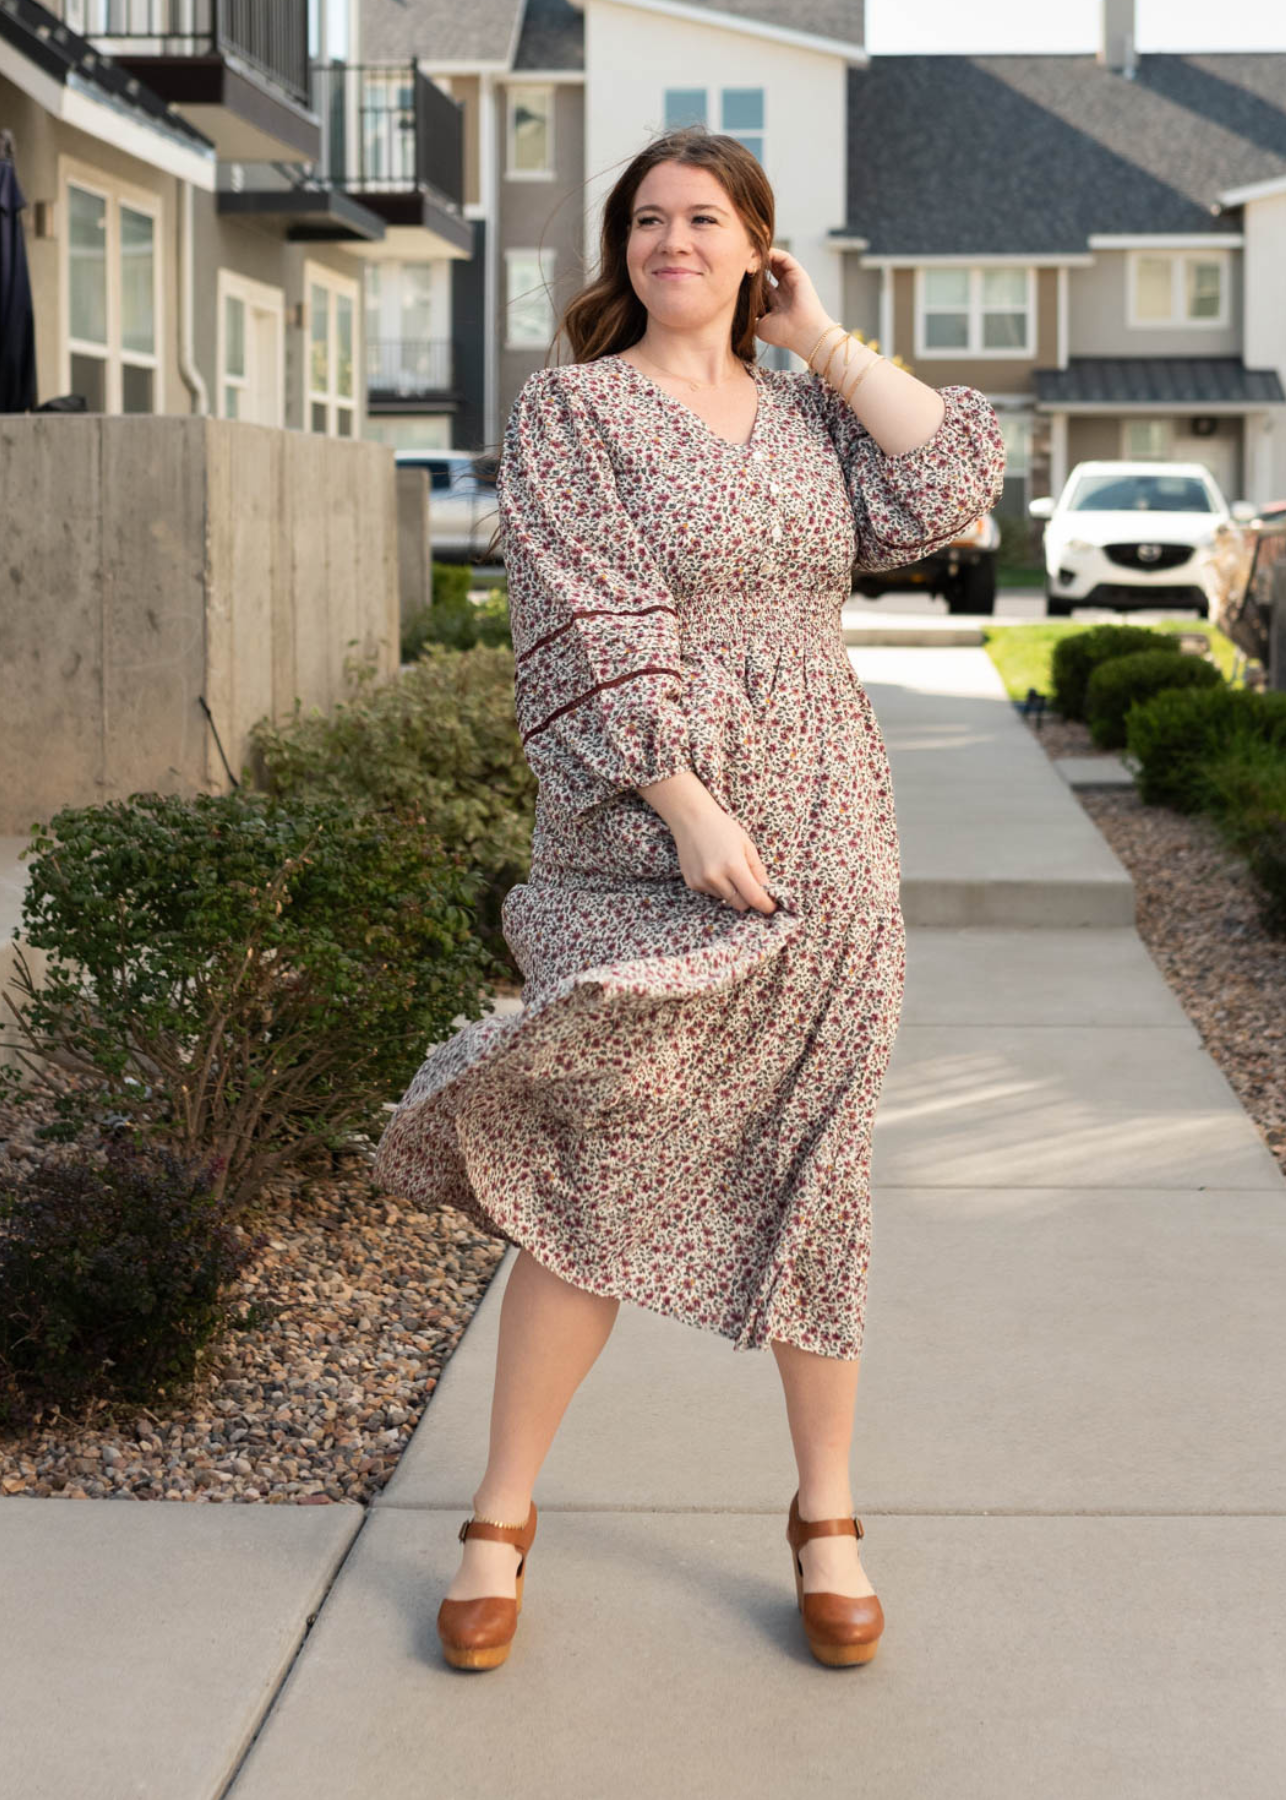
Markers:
{"x": 687, "y": 379}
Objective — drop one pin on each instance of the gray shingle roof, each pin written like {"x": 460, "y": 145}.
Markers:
{"x": 439, "y": 30}
{"x": 553, "y": 31}
{"x": 1030, "y": 154}
{"x": 553, "y": 36}
{"x": 1157, "y": 381}
{"x": 841, "y": 20}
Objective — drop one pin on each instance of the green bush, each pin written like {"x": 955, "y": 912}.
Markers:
{"x": 440, "y": 739}
{"x": 245, "y": 978}
{"x": 1177, "y": 736}
{"x": 1114, "y": 687}
{"x": 112, "y": 1279}
{"x": 1077, "y": 654}
{"x": 453, "y": 619}
{"x": 1267, "y": 859}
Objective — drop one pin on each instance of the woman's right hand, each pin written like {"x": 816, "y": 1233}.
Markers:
{"x": 716, "y": 855}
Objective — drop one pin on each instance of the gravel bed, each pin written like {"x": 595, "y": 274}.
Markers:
{"x": 1196, "y": 911}
{"x": 370, "y": 1299}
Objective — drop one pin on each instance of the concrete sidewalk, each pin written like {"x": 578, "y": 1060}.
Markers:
{"x": 1070, "y": 1452}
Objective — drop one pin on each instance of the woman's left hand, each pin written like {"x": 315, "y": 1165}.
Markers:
{"x": 795, "y": 317}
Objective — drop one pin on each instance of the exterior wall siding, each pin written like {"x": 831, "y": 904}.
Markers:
{"x": 1098, "y": 305}
{"x": 541, "y": 215}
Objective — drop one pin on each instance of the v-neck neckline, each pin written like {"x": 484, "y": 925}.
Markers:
{"x": 750, "y": 443}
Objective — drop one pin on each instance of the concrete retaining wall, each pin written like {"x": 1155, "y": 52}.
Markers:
{"x": 149, "y": 564}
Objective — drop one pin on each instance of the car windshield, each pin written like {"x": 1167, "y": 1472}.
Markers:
{"x": 1141, "y": 493}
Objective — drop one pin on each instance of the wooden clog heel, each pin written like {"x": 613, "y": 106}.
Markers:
{"x": 840, "y": 1628}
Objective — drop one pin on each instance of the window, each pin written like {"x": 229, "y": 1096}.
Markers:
{"x": 250, "y": 350}
{"x": 1183, "y": 290}
{"x": 684, "y": 106}
{"x": 332, "y": 310}
{"x": 741, "y": 113}
{"x": 529, "y": 312}
{"x": 530, "y": 133}
{"x": 111, "y": 280}
{"x": 975, "y": 311}
{"x": 1145, "y": 438}
{"x": 1016, "y": 430}
{"x": 743, "y": 117}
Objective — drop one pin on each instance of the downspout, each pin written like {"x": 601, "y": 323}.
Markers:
{"x": 187, "y": 282}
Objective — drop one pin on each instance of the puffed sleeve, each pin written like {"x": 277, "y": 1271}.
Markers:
{"x": 598, "y": 677}
{"x": 908, "y": 505}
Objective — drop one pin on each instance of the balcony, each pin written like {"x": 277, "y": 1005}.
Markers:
{"x": 235, "y": 69}
{"x": 403, "y": 374}
{"x": 392, "y": 140}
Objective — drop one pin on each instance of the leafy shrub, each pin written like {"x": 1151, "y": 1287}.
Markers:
{"x": 440, "y": 739}
{"x": 112, "y": 1279}
{"x": 1267, "y": 859}
{"x": 1177, "y": 736}
{"x": 245, "y": 978}
{"x": 453, "y": 618}
{"x": 1114, "y": 687}
{"x": 1079, "y": 653}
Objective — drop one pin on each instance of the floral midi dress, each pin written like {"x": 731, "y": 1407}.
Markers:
{"x": 680, "y": 1114}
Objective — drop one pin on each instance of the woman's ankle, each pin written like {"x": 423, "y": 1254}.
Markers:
{"x": 833, "y": 1502}
{"x": 502, "y": 1508}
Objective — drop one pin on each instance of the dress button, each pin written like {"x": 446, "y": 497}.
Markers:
{"x": 776, "y": 533}
{"x": 756, "y": 456}
{"x": 774, "y": 487}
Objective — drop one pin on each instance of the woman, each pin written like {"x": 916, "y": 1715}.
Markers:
{"x": 710, "y": 936}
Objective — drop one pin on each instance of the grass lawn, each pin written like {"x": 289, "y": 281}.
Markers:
{"x": 1022, "y": 652}
{"x": 1020, "y": 575}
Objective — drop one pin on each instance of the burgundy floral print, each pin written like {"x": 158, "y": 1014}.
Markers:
{"x": 680, "y": 1114}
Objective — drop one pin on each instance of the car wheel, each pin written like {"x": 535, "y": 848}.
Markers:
{"x": 975, "y": 588}
{"x": 1056, "y": 607}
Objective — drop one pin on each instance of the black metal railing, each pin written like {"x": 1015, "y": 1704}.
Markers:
{"x": 388, "y": 129}
{"x": 408, "y": 368}
{"x": 270, "y": 35}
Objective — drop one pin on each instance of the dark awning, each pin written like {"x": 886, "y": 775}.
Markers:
{"x": 1203, "y": 383}
{"x": 322, "y": 214}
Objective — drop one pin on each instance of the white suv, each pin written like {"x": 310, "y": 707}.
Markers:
{"x": 1133, "y": 534}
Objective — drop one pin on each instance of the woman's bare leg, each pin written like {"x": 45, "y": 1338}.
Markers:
{"x": 550, "y": 1336}
{"x": 821, "y": 1394}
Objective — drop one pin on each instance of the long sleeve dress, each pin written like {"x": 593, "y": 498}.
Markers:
{"x": 680, "y": 1113}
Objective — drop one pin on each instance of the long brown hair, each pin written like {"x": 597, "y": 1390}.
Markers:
{"x": 607, "y": 314}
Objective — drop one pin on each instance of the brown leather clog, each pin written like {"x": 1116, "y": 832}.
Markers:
{"x": 476, "y": 1634}
{"x": 840, "y": 1628}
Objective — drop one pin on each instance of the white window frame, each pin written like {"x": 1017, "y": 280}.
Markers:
{"x": 544, "y": 261}
{"x": 113, "y": 355}
{"x": 1178, "y": 260}
{"x": 512, "y": 171}
{"x": 973, "y": 350}
{"x": 334, "y": 402}
{"x": 258, "y": 294}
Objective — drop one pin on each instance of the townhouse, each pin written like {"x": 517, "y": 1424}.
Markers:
{"x": 1096, "y": 242}
{"x": 207, "y": 182}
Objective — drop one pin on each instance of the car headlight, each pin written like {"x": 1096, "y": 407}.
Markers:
{"x": 1080, "y": 545}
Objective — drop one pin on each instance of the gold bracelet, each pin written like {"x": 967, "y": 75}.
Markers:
{"x": 848, "y": 397}
{"x": 813, "y": 352}
{"x": 848, "y": 340}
